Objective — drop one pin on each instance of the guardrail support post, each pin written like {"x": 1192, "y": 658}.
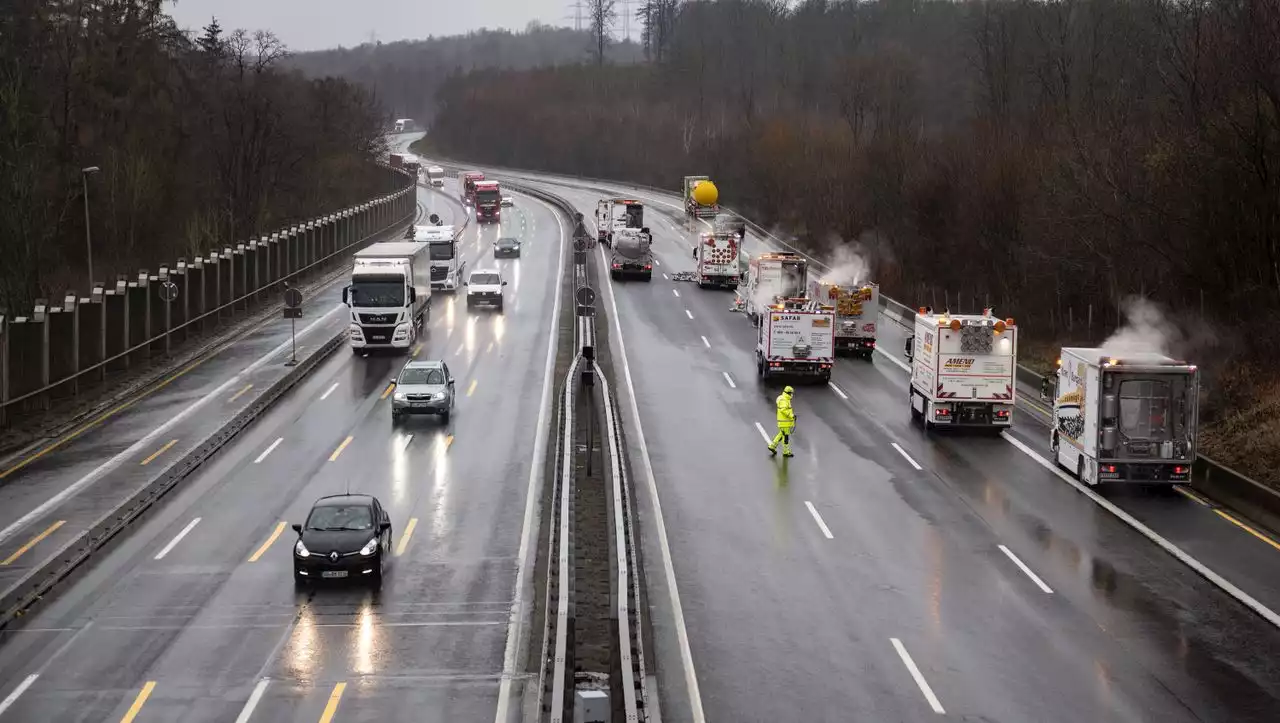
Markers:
{"x": 244, "y": 277}
{"x": 69, "y": 303}
{"x": 182, "y": 277}
{"x": 41, "y": 316}
{"x": 144, "y": 282}
{"x": 99, "y": 296}
{"x": 4, "y": 371}
{"x": 122, "y": 288}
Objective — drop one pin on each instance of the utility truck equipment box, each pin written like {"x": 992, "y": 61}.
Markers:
{"x": 771, "y": 277}
{"x": 717, "y": 257}
{"x": 1125, "y": 417}
{"x": 857, "y": 308}
{"x": 794, "y": 339}
{"x": 631, "y": 253}
{"x": 389, "y": 295}
{"x": 962, "y": 370}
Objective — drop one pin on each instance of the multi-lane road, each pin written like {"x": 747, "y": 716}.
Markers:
{"x": 193, "y": 615}
{"x": 884, "y": 574}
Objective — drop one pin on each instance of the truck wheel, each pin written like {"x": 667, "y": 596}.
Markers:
{"x": 648, "y": 276}
{"x": 759, "y": 367}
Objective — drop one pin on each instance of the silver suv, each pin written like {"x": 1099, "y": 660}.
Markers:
{"x": 423, "y": 387}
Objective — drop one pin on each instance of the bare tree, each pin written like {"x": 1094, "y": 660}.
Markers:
{"x": 602, "y": 13}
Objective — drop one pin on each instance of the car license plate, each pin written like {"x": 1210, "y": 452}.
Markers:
{"x": 417, "y": 404}
{"x": 377, "y": 337}
{"x": 333, "y": 573}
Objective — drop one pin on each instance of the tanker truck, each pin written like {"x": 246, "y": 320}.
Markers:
{"x": 700, "y": 203}
{"x": 631, "y": 253}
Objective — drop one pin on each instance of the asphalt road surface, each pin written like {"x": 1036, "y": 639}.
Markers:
{"x": 888, "y": 575}
{"x": 193, "y": 615}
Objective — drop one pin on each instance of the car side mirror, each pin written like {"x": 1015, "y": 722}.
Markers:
{"x": 345, "y": 291}
{"x": 413, "y": 294}
{"x": 384, "y": 526}
{"x": 504, "y": 283}
{"x": 297, "y": 528}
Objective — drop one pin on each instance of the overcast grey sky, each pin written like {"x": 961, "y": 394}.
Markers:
{"x": 315, "y": 24}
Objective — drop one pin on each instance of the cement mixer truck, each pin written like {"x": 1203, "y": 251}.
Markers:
{"x": 700, "y": 197}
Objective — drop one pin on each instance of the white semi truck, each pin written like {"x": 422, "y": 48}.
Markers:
{"x": 795, "y": 339}
{"x": 389, "y": 296}
{"x": 962, "y": 370}
{"x": 615, "y": 214}
{"x": 717, "y": 257}
{"x": 446, "y": 269}
{"x": 1125, "y": 416}
{"x": 770, "y": 277}
{"x": 435, "y": 175}
{"x": 857, "y": 307}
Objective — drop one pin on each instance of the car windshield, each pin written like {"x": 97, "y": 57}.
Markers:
{"x": 377, "y": 292}
{"x": 422, "y": 376}
{"x": 484, "y": 279}
{"x": 507, "y": 242}
{"x": 341, "y": 517}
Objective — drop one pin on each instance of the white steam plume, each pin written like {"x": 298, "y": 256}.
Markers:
{"x": 1146, "y": 329}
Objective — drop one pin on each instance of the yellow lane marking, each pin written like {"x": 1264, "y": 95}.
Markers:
{"x": 275, "y": 535}
{"x": 137, "y": 702}
{"x": 1248, "y": 529}
{"x": 334, "y": 457}
{"x": 332, "y": 706}
{"x": 240, "y": 393}
{"x": 386, "y": 393}
{"x": 416, "y": 350}
{"x": 34, "y": 541}
{"x": 471, "y": 388}
{"x": 160, "y": 451}
{"x": 107, "y": 415}
{"x": 1191, "y": 495}
{"x": 404, "y": 538}
{"x": 448, "y": 441}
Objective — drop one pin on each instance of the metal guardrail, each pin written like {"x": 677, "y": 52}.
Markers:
{"x": 359, "y": 223}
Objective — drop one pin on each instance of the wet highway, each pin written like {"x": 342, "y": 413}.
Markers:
{"x": 887, "y": 575}
{"x": 193, "y": 614}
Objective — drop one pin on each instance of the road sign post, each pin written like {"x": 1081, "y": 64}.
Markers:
{"x": 168, "y": 292}
{"x": 292, "y": 312}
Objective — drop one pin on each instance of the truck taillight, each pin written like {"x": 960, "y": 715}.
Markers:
{"x": 1002, "y": 412}
{"x": 1179, "y": 470}
{"x": 1108, "y": 468}
{"x": 648, "y": 267}
{"x": 617, "y": 266}
{"x": 942, "y": 412}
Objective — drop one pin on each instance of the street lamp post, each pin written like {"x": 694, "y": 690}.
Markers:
{"x": 88, "y": 240}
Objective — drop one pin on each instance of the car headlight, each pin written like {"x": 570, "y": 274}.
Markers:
{"x": 370, "y": 547}
{"x": 301, "y": 550}
{"x": 399, "y": 396}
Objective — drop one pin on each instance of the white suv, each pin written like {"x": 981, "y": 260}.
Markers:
{"x": 484, "y": 286}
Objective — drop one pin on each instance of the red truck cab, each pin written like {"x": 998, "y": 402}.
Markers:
{"x": 488, "y": 202}
{"x": 469, "y": 181}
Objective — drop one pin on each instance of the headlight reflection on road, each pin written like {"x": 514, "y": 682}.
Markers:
{"x": 399, "y": 469}
{"x": 471, "y": 334}
{"x": 301, "y": 652}
{"x": 499, "y": 328}
{"x": 448, "y": 314}
{"x": 440, "y": 493}
{"x": 367, "y": 639}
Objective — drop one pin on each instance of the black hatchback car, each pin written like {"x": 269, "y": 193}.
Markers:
{"x": 344, "y": 537}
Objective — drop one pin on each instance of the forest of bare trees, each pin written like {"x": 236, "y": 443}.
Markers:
{"x": 199, "y": 141}
{"x": 1049, "y": 158}
{"x": 406, "y": 74}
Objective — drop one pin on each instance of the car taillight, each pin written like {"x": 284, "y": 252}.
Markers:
{"x": 942, "y": 412}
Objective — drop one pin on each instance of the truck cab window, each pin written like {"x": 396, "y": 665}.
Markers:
{"x": 442, "y": 251}
{"x": 1144, "y": 409}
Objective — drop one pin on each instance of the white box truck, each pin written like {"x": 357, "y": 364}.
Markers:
{"x": 794, "y": 339}
{"x": 962, "y": 370}
{"x": 1124, "y": 416}
{"x": 717, "y": 256}
{"x": 389, "y": 295}
{"x": 615, "y": 214}
{"x": 435, "y": 174}
{"x": 771, "y": 277}
{"x": 857, "y": 308}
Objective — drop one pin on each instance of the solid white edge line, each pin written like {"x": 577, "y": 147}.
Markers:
{"x": 1213, "y": 577}
{"x": 689, "y": 314}
{"x": 818, "y": 518}
{"x": 252, "y": 703}
{"x": 147, "y": 441}
{"x": 268, "y": 450}
{"x": 706, "y": 343}
{"x": 174, "y": 542}
{"x": 915, "y": 673}
{"x": 837, "y": 390}
{"x": 1022, "y": 566}
{"x": 760, "y": 428}
{"x": 729, "y": 379}
{"x": 328, "y": 392}
{"x": 906, "y": 456}
{"x": 677, "y": 610}
{"x": 515, "y": 622}
{"x": 17, "y": 692}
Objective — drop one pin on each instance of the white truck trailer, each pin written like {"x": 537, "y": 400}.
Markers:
{"x": 615, "y": 214}
{"x": 1125, "y": 417}
{"x": 962, "y": 370}
{"x": 794, "y": 339}
{"x": 857, "y": 309}
{"x": 389, "y": 295}
{"x": 717, "y": 257}
{"x": 770, "y": 277}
